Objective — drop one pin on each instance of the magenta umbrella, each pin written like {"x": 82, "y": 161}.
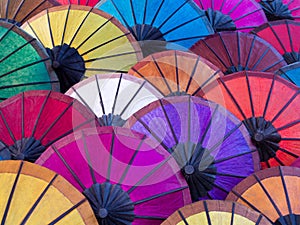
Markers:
{"x": 127, "y": 178}
{"x": 241, "y": 15}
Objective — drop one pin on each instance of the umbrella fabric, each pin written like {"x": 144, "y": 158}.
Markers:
{"x": 176, "y": 72}
{"x": 114, "y": 97}
{"x": 281, "y": 9}
{"x": 216, "y": 212}
{"x": 284, "y": 36}
{"x": 291, "y": 73}
{"x": 156, "y": 22}
{"x": 296, "y": 163}
{"x": 268, "y": 106}
{"x": 78, "y": 2}
{"x": 31, "y": 194}
{"x": 83, "y": 41}
{"x": 274, "y": 192}
{"x": 24, "y": 64}
{"x": 225, "y": 15}
{"x": 18, "y": 11}
{"x": 127, "y": 178}
{"x": 31, "y": 121}
{"x": 210, "y": 145}
{"x": 235, "y": 51}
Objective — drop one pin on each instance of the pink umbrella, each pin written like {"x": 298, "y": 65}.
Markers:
{"x": 127, "y": 178}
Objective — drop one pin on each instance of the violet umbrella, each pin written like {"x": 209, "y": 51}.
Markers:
{"x": 210, "y": 145}
{"x": 127, "y": 178}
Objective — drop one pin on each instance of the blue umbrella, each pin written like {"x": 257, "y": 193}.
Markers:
{"x": 180, "y": 22}
{"x": 291, "y": 73}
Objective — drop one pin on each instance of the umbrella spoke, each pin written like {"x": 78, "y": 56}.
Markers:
{"x": 245, "y": 15}
{"x": 100, "y": 95}
{"x": 116, "y": 95}
{"x": 19, "y": 48}
{"x": 65, "y": 25}
{"x": 214, "y": 114}
{"x": 250, "y": 95}
{"x": 250, "y": 53}
{"x": 111, "y": 152}
{"x": 192, "y": 77}
{"x": 7, "y": 126}
{"x": 269, "y": 96}
{"x": 232, "y": 157}
{"x": 161, "y": 73}
{"x": 88, "y": 157}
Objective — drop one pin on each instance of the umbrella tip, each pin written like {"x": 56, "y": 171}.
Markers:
{"x": 55, "y": 64}
{"x": 103, "y": 213}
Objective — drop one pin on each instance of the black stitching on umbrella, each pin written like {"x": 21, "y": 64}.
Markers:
{"x": 117, "y": 94}
{"x": 150, "y": 217}
{"x": 111, "y": 151}
{"x": 207, "y": 213}
{"x": 100, "y": 95}
{"x": 65, "y": 25}
{"x": 50, "y": 28}
{"x": 182, "y": 217}
{"x": 232, "y": 213}
{"x": 133, "y": 13}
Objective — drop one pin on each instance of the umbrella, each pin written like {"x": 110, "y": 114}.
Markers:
{"x": 280, "y": 9}
{"x": 216, "y": 212}
{"x": 210, "y": 145}
{"x": 18, "y": 11}
{"x": 268, "y": 106}
{"x": 156, "y": 22}
{"x": 31, "y": 121}
{"x": 274, "y": 192}
{"x": 296, "y": 163}
{"x": 83, "y": 41}
{"x": 25, "y": 64}
{"x": 291, "y": 73}
{"x": 235, "y": 51}
{"x": 283, "y": 35}
{"x": 78, "y": 2}
{"x": 31, "y": 194}
{"x": 114, "y": 97}
{"x": 127, "y": 178}
{"x": 176, "y": 72}
{"x": 225, "y": 15}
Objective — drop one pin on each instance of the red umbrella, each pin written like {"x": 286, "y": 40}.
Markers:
{"x": 269, "y": 107}
{"x": 234, "y": 51}
{"x": 127, "y": 178}
{"x": 31, "y": 121}
{"x": 284, "y": 36}
{"x": 233, "y": 14}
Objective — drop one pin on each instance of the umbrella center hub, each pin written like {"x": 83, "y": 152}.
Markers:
{"x": 234, "y": 69}
{"x": 111, "y": 120}
{"x": 276, "y": 10}
{"x": 291, "y": 57}
{"x": 219, "y": 21}
{"x": 189, "y": 170}
{"x": 290, "y": 219}
{"x": 68, "y": 64}
{"x": 110, "y": 203}
{"x": 264, "y": 136}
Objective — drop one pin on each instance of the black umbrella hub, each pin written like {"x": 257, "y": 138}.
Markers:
{"x": 111, "y": 120}
{"x": 110, "y": 203}
{"x": 219, "y": 21}
{"x": 197, "y": 166}
{"x": 264, "y": 136}
{"x": 234, "y": 69}
{"x": 291, "y": 219}
{"x": 177, "y": 93}
{"x": 291, "y": 57}
{"x": 68, "y": 64}
{"x": 27, "y": 149}
{"x": 276, "y": 10}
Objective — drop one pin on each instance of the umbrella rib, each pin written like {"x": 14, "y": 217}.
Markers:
{"x": 34, "y": 33}
{"x": 295, "y": 9}
{"x": 232, "y": 213}
{"x": 133, "y": 13}
{"x": 31, "y": 210}
{"x": 6, "y": 8}
{"x": 182, "y": 217}
{"x": 145, "y": 12}
{"x": 50, "y": 28}
{"x": 157, "y": 12}
{"x": 111, "y": 151}
{"x": 288, "y": 125}
{"x": 10, "y": 198}
{"x": 192, "y": 75}
{"x": 65, "y": 25}
{"x": 189, "y": 127}
{"x": 117, "y": 94}
{"x": 88, "y": 157}
{"x": 188, "y": 38}
{"x": 7, "y": 127}
{"x": 176, "y": 71}
{"x": 27, "y": 84}
{"x": 269, "y": 96}
{"x": 131, "y": 160}
{"x": 67, "y": 212}
{"x": 207, "y": 81}
{"x": 289, "y": 35}
{"x": 288, "y": 152}
{"x": 250, "y": 52}
{"x": 207, "y": 213}
{"x": 235, "y": 7}
{"x": 107, "y": 70}
{"x": 226, "y": 50}
{"x": 120, "y": 14}
{"x": 247, "y": 14}
{"x": 22, "y": 119}
{"x": 82, "y": 99}
{"x": 277, "y": 37}
{"x": 274, "y": 64}
{"x": 29, "y": 13}
{"x": 285, "y": 106}
{"x": 250, "y": 96}
{"x": 100, "y": 95}
{"x": 150, "y": 217}
{"x": 221, "y": 8}
{"x": 209, "y": 125}
{"x": 18, "y": 9}
{"x": 161, "y": 73}
{"x": 260, "y": 59}
{"x": 233, "y": 156}
{"x": 238, "y": 48}
{"x": 6, "y": 32}
{"x": 68, "y": 167}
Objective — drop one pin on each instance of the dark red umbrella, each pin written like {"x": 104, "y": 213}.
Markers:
{"x": 127, "y": 178}
{"x": 31, "y": 121}
{"x": 269, "y": 107}
{"x": 225, "y": 15}
{"x": 235, "y": 51}
{"x": 284, "y": 36}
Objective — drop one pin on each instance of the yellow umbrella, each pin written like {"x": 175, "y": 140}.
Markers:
{"x": 83, "y": 41}
{"x": 31, "y": 194}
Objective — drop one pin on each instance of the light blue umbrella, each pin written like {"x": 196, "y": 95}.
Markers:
{"x": 291, "y": 73}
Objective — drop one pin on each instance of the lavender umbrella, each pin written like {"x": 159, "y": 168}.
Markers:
{"x": 210, "y": 145}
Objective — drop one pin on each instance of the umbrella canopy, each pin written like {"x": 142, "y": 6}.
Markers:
{"x": 235, "y": 51}
{"x": 284, "y": 36}
{"x": 25, "y": 64}
{"x": 274, "y": 192}
{"x": 225, "y": 15}
{"x": 291, "y": 73}
{"x": 268, "y": 106}
{"x": 31, "y": 194}
{"x": 114, "y": 97}
{"x": 31, "y": 121}
{"x": 156, "y": 22}
{"x": 83, "y": 41}
{"x": 210, "y": 145}
{"x": 176, "y": 72}
{"x": 281, "y": 9}
{"x": 127, "y": 178}
{"x": 78, "y": 2}
{"x": 18, "y": 11}
{"x": 215, "y": 212}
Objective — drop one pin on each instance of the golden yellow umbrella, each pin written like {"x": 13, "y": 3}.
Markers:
{"x": 215, "y": 212}
{"x": 31, "y": 194}
{"x": 83, "y": 41}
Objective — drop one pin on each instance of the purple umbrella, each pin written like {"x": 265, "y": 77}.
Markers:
{"x": 210, "y": 145}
